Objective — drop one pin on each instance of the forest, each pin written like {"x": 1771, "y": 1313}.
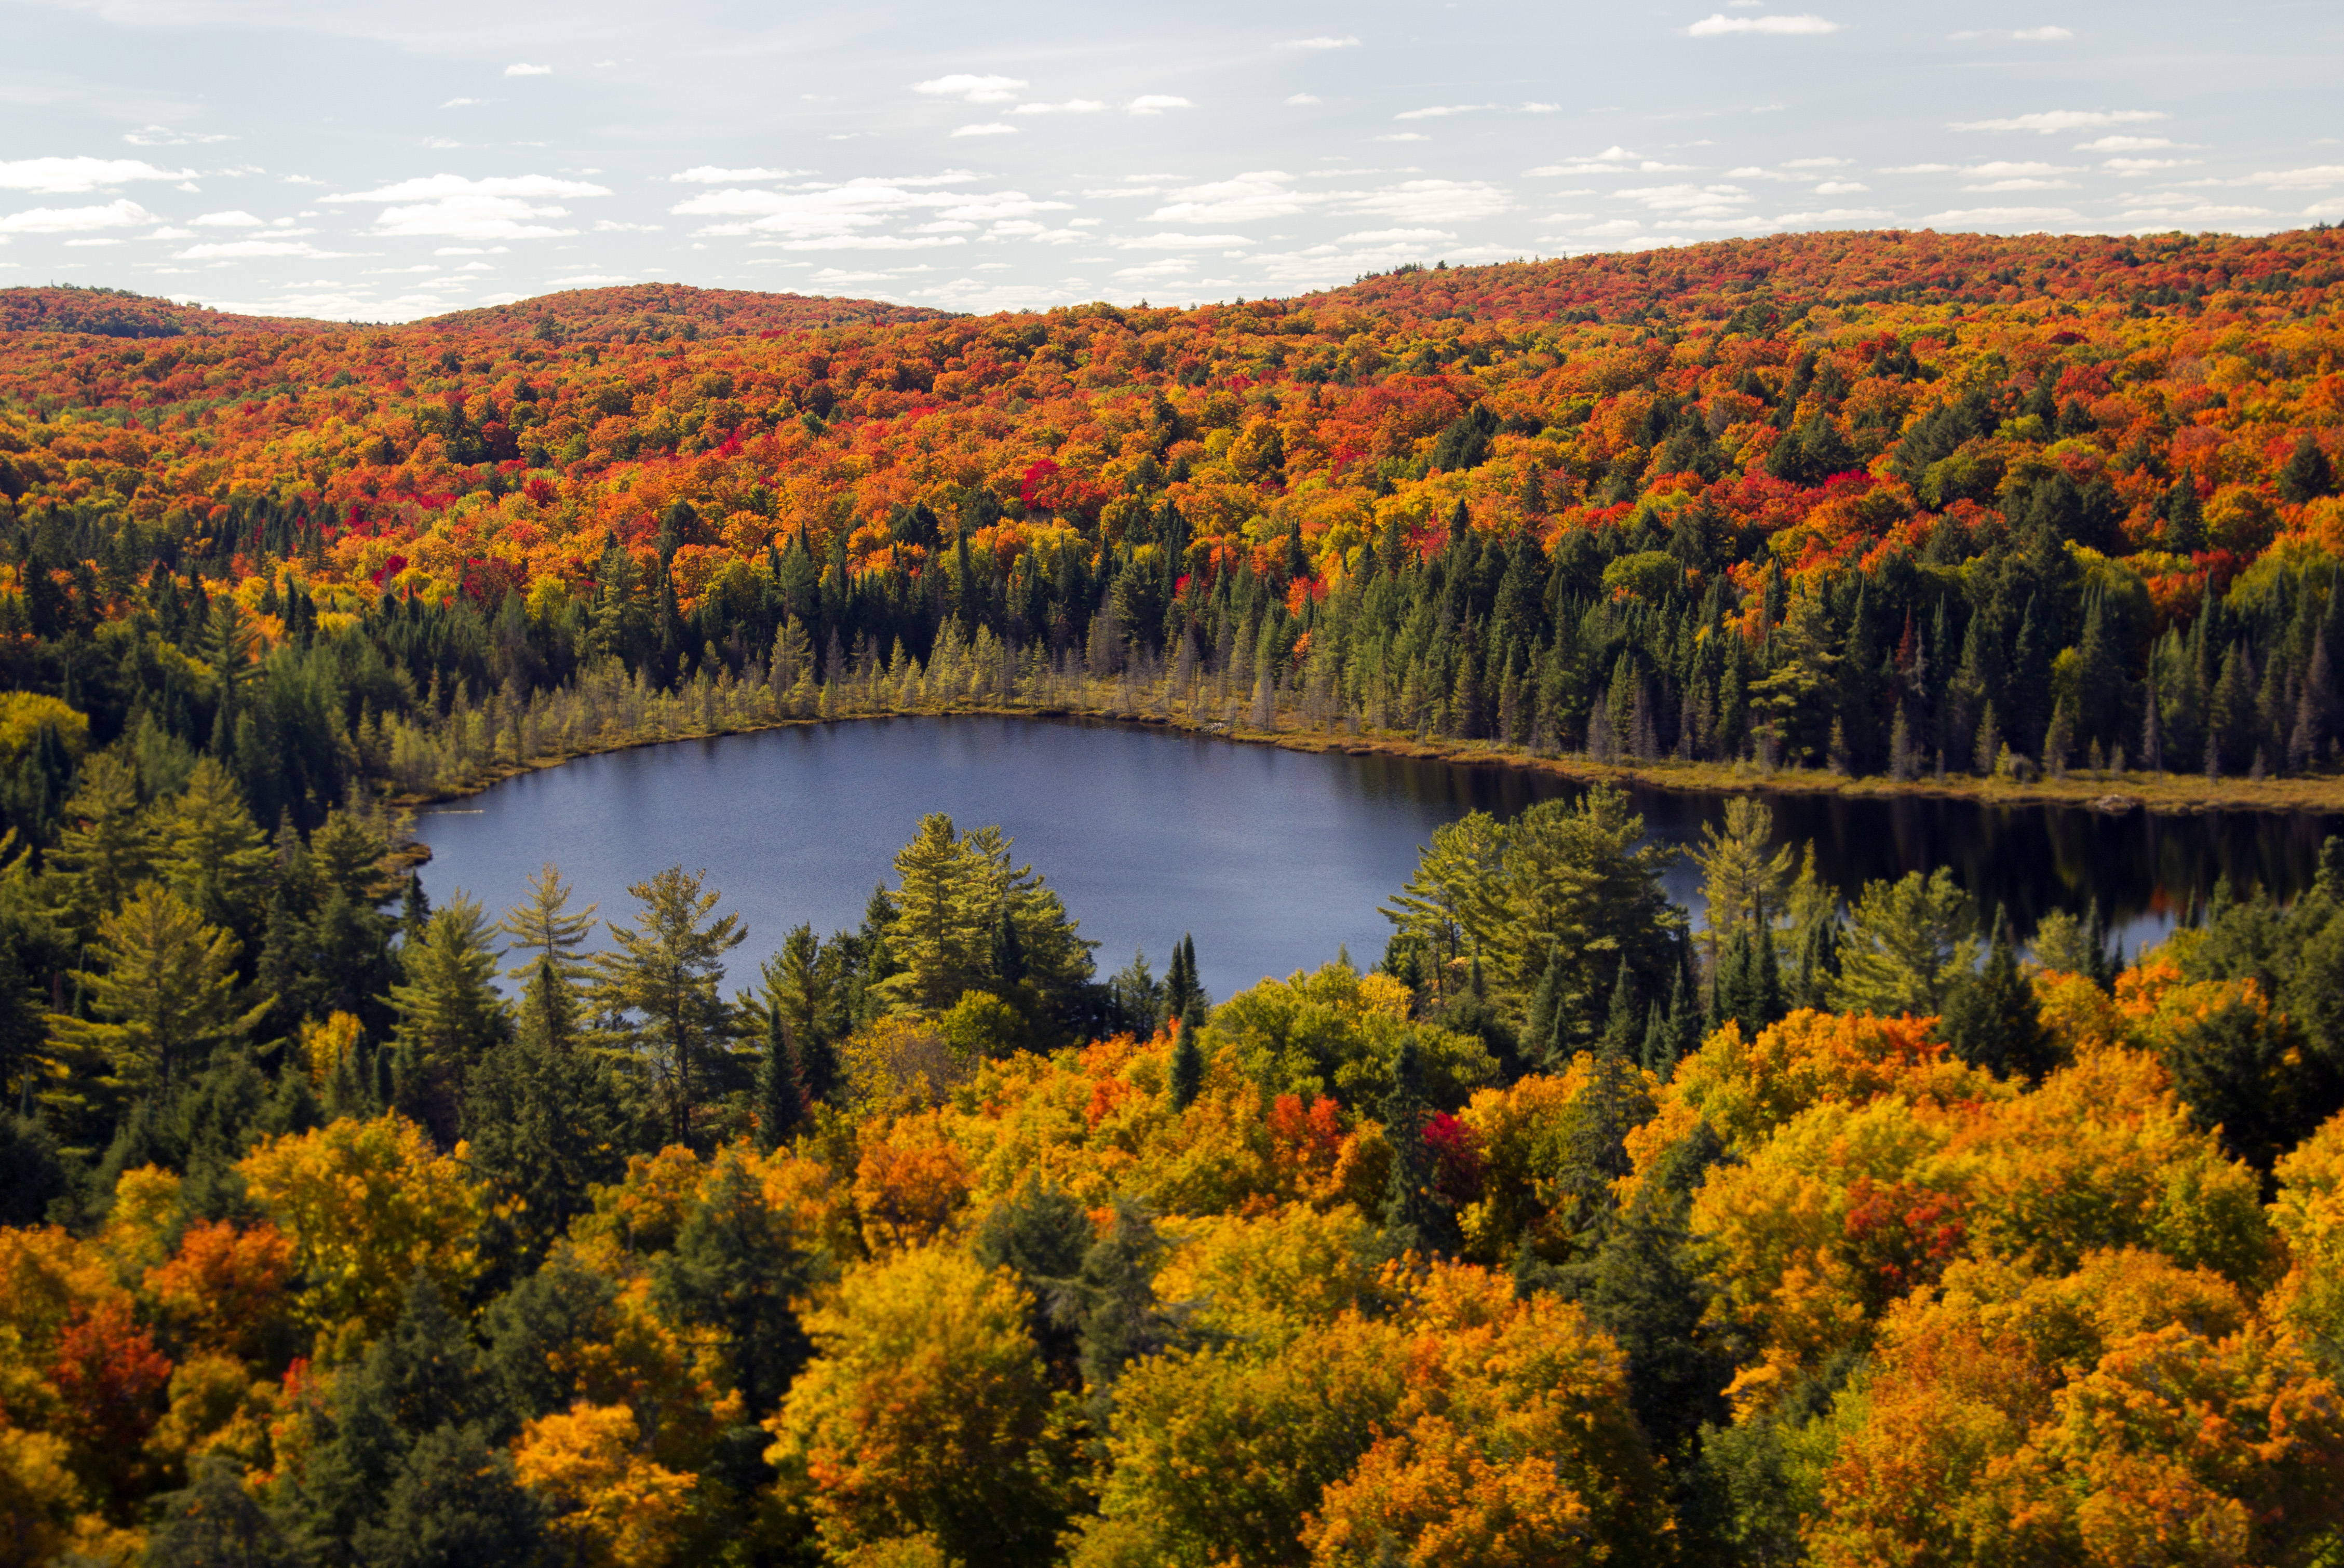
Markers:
{"x": 341, "y": 1226}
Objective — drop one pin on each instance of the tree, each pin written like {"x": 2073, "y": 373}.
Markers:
{"x": 1414, "y": 1216}
{"x": 924, "y": 1412}
{"x": 666, "y": 973}
{"x": 1906, "y": 944}
{"x": 1740, "y": 880}
{"x": 214, "y": 1523}
{"x": 1992, "y": 1019}
{"x": 162, "y": 998}
{"x": 208, "y": 851}
{"x": 542, "y": 1119}
{"x": 954, "y": 893}
{"x": 102, "y": 848}
{"x": 1187, "y": 1079}
{"x": 737, "y": 1267}
{"x": 609, "y": 1503}
{"x": 2306, "y": 475}
{"x": 801, "y": 986}
{"x": 449, "y": 1015}
{"x": 369, "y": 1204}
{"x": 544, "y": 930}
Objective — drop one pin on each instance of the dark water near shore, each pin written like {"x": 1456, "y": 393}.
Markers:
{"x": 1274, "y": 859}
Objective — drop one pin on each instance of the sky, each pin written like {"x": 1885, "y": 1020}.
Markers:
{"x": 384, "y": 163}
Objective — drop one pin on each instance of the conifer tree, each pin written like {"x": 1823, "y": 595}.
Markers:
{"x": 208, "y": 851}
{"x": 737, "y": 1270}
{"x": 1415, "y": 1218}
{"x": 662, "y": 984}
{"x": 1188, "y": 1055}
{"x": 1992, "y": 1019}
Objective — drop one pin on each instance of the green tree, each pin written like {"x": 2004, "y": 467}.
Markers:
{"x": 737, "y": 1267}
{"x": 661, "y": 984}
{"x": 544, "y": 930}
{"x": 161, "y": 998}
{"x": 1991, "y": 1018}
{"x": 1907, "y": 943}
{"x": 543, "y": 1119}
{"x": 209, "y": 853}
{"x": 102, "y": 850}
{"x": 953, "y": 892}
{"x": 1188, "y": 1055}
{"x": 450, "y": 1014}
{"x": 1738, "y": 879}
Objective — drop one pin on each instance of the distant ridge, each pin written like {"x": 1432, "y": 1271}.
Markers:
{"x": 632, "y": 312}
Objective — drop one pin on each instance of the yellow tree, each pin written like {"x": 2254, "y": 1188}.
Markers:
{"x": 161, "y": 998}
{"x": 925, "y": 1410}
{"x": 611, "y": 1505}
{"x": 367, "y": 1204}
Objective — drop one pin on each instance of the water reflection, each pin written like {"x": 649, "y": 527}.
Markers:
{"x": 1272, "y": 858}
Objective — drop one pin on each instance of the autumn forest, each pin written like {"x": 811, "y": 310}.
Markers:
{"x": 340, "y": 1224}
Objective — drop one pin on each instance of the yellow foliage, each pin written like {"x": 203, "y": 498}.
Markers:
{"x": 137, "y": 1228}
{"x": 641, "y": 1212}
{"x": 47, "y": 1278}
{"x": 25, "y": 714}
{"x": 610, "y": 1504}
{"x": 2309, "y": 1215}
{"x": 41, "y": 1502}
{"x": 325, "y": 1045}
{"x": 1262, "y": 1279}
{"x": 217, "y": 1407}
{"x": 899, "y": 1063}
{"x": 909, "y": 1182}
{"x": 367, "y": 1204}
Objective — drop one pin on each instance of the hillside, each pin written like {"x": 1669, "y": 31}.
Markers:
{"x": 654, "y": 312}
{"x": 1894, "y": 502}
{"x": 119, "y": 313}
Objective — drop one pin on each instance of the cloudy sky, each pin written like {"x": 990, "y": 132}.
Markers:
{"x": 385, "y": 162}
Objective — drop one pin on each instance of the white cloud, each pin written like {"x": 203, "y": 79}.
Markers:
{"x": 73, "y": 176}
{"x": 1402, "y": 136}
{"x": 1301, "y": 101}
{"x": 228, "y": 220}
{"x": 592, "y": 280}
{"x": 1442, "y": 111}
{"x": 972, "y": 89}
{"x": 707, "y": 175}
{"x": 1181, "y": 241}
{"x": 1923, "y": 168}
{"x": 2052, "y": 121}
{"x": 1691, "y": 201}
{"x": 2198, "y": 213}
{"x": 1814, "y": 162}
{"x": 1611, "y": 160}
{"x": 1542, "y": 108}
{"x": 2021, "y": 184}
{"x": 2134, "y": 168}
{"x": 1321, "y": 42}
{"x": 301, "y": 179}
{"x": 1071, "y": 107}
{"x": 864, "y": 242}
{"x": 1841, "y": 187}
{"x": 2042, "y": 34}
{"x": 1394, "y": 237}
{"x": 1157, "y": 103}
{"x": 118, "y": 214}
{"x": 1270, "y": 193}
{"x": 440, "y": 143}
{"x": 453, "y": 206}
{"x": 605, "y": 225}
{"x": 432, "y": 186}
{"x": 989, "y": 128}
{"x": 1839, "y": 214}
{"x": 1244, "y": 198}
{"x": 248, "y": 249}
{"x": 165, "y": 136}
{"x": 2004, "y": 216}
{"x": 170, "y": 232}
{"x": 528, "y": 70}
{"x": 2297, "y": 178}
{"x": 92, "y": 242}
{"x": 1718, "y": 25}
{"x": 461, "y": 102}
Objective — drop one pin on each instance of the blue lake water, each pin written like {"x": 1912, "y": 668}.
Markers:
{"x": 1273, "y": 859}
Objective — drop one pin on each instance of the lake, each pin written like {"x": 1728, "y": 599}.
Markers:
{"x": 1274, "y": 859}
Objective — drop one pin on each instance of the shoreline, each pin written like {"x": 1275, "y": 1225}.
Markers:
{"x": 2166, "y": 795}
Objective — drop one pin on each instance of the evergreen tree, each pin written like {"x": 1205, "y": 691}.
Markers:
{"x": 737, "y": 1270}
{"x": 781, "y": 1096}
{"x": 662, "y": 984}
{"x": 450, "y": 1014}
{"x": 1991, "y": 1018}
{"x": 1415, "y": 1218}
{"x": 1188, "y": 1055}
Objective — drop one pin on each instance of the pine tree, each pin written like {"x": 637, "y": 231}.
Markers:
{"x": 544, "y": 930}
{"x": 2185, "y": 519}
{"x": 737, "y": 1267}
{"x": 208, "y": 851}
{"x": 1414, "y": 1218}
{"x": 662, "y": 984}
{"x": 1188, "y": 1055}
{"x": 1992, "y": 1019}
{"x": 781, "y": 1096}
{"x": 450, "y": 1014}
